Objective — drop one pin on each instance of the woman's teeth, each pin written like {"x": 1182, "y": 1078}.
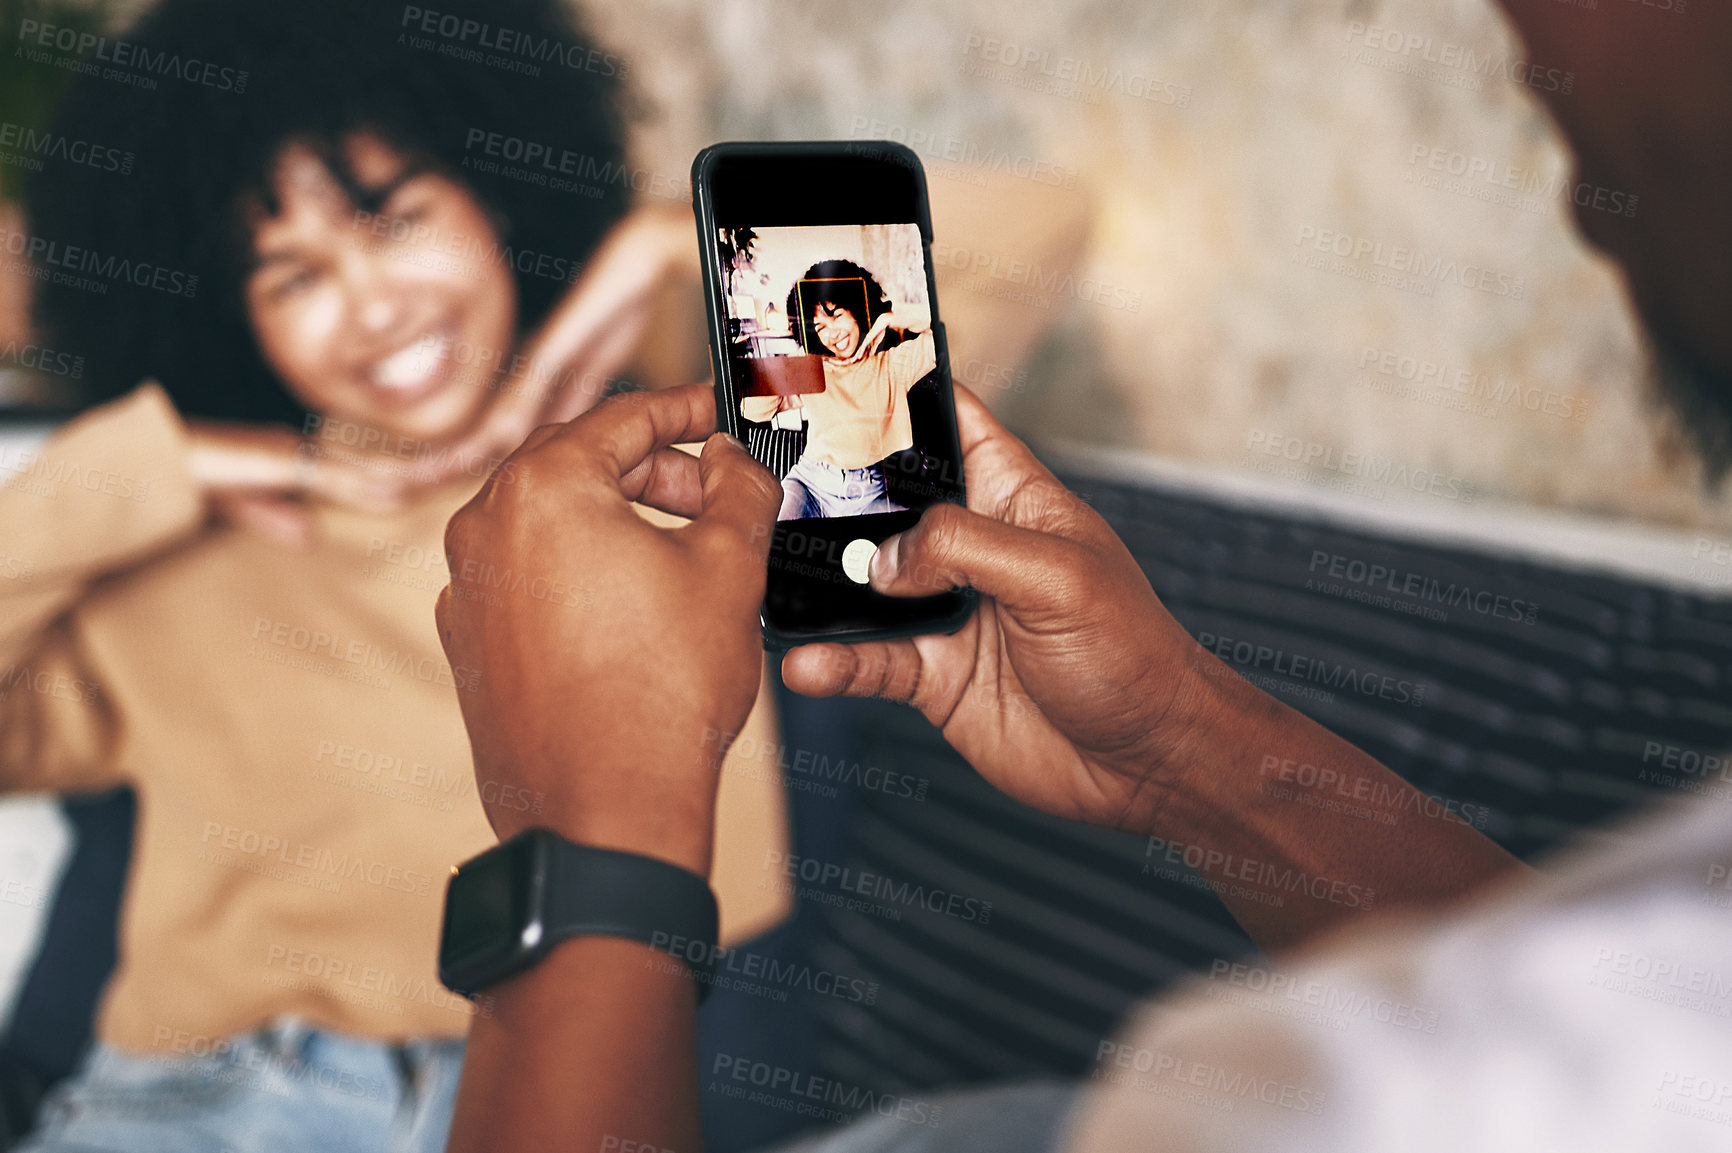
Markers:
{"x": 412, "y": 365}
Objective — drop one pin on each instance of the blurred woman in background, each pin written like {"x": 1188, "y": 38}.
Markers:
{"x": 362, "y": 250}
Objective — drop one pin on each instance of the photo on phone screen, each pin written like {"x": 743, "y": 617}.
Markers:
{"x": 832, "y": 331}
{"x": 831, "y": 366}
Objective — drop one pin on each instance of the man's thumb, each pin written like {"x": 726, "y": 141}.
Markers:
{"x": 739, "y": 494}
{"x": 952, "y": 547}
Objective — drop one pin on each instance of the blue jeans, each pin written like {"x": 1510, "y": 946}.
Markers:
{"x": 291, "y": 1087}
{"x": 281, "y": 1089}
{"x": 812, "y": 489}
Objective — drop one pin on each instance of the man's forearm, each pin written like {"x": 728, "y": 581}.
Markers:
{"x": 1298, "y": 831}
{"x": 593, "y": 1049}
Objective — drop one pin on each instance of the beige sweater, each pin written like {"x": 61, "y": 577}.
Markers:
{"x": 290, "y": 724}
{"x": 861, "y": 417}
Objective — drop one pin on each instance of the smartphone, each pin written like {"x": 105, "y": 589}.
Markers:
{"x": 830, "y": 364}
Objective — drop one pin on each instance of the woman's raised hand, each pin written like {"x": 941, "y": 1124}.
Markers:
{"x": 870, "y": 342}
{"x": 261, "y": 478}
{"x": 564, "y": 368}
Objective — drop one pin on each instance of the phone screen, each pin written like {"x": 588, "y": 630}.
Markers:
{"x": 832, "y": 367}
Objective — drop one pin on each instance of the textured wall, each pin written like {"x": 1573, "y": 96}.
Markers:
{"x": 1265, "y": 227}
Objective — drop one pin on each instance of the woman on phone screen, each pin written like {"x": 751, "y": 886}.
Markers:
{"x": 873, "y": 354}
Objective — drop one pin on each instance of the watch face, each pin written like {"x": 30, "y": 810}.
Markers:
{"x": 487, "y": 909}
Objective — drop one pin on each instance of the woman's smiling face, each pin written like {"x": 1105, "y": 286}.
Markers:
{"x": 836, "y": 327}
{"x": 396, "y": 320}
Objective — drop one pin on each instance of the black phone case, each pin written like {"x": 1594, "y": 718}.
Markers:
{"x": 728, "y": 418}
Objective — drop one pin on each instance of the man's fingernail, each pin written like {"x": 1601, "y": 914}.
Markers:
{"x": 882, "y": 570}
{"x": 735, "y": 441}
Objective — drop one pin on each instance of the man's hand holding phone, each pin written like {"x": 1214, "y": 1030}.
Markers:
{"x": 612, "y": 646}
{"x": 1070, "y": 688}
{"x": 1073, "y": 690}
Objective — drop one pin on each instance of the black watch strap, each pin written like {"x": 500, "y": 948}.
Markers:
{"x": 607, "y": 893}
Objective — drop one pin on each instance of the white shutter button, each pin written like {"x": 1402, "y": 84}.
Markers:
{"x": 857, "y": 558}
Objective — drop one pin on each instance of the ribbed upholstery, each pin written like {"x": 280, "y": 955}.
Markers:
{"x": 1543, "y": 723}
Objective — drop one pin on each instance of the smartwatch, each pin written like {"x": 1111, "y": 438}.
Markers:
{"x": 507, "y": 908}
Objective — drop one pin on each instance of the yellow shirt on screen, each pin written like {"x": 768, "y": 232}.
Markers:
{"x": 861, "y": 417}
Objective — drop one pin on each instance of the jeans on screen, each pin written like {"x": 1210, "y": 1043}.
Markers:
{"x": 812, "y": 489}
